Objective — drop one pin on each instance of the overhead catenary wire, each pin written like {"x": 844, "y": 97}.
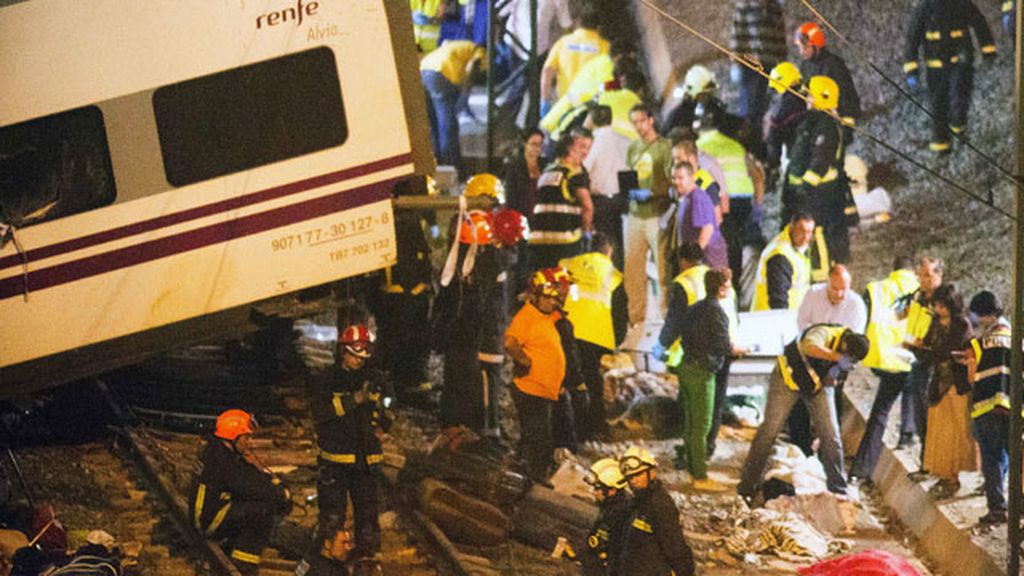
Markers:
{"x": 903, "y": 92}
{"x": 760, "y": 70}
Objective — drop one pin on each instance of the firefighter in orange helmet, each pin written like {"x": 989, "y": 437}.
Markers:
{"x": 817, "y": 60}
{"x": 351, "y": 410}
{"x": 235, "y": 497}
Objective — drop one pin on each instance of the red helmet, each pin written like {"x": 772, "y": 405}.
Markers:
{"x": 810, "y": 34}
{"x": 476, "y": 226}
{"x": 357, "y": 339}
{"x": 508, "y": 227}
{"x": 232, "y": 424}
{"x": 552, "y": 281}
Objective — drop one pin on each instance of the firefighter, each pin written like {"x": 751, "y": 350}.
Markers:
{"x": 784, "y": 270}
{"x": 328, "y": 554}
{"x": 235, "y": 497}
{"x": 816, "y": 168}
{"x": 944, "y": 27}
{"x": 602, "y": 554}
{"x": 653, "y": 544}
{"x": 819, "y": 61}
{"x": 426, "y": 23}
{"x": 784, "y": 115}
{"x": 351, "y": 410}
{"x": 808, "y": 371}
{"x": 597, "y": 308}
{"x": 1010, "y": 19}
{"x": 563, "y": 214}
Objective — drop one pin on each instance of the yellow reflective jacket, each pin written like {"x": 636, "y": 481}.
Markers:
{"x": 885, "y": 331}
{"x": 800, "y": 281}
{"x": 590, "y": 301}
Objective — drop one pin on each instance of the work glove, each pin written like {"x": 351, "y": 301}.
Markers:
{"x": 846, "y": 363}
{"x": 435, "y": 231}
{"x": 586, "y": 241}
{"x": 640, "y": 194}
{"x": 545, "y": 107}
{"x": 913, "y": 81}
{"x": 756, "y": 213}
{"x": 421, "y": 19}
{"x": 659, "y": 352}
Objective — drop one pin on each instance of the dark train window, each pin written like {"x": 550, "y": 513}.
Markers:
{"x": 54, "y": 166}
{"x": 250, "y": 116}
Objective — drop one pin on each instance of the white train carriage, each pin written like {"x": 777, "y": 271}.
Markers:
{"x": 165, "y": 164}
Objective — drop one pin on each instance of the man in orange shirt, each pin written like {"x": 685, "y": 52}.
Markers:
{"x": 539, "y": 367}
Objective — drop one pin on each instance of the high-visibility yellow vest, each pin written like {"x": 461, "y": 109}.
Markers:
{"x": 885, "y": 331}
{"x": 919, "y": 320}
{"x": 692, "y": 282}
{"x": 427, "y": 35}
{"x": 800, "y": 263}
{"x": 732, "y": 157}
{"x": 590, "y": 301}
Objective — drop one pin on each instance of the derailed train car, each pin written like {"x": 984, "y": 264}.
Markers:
{"x": 164, "y": 165}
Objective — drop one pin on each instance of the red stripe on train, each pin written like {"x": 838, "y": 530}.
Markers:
{"x": 194, "y": 239}
{"x": 203, "y": 211}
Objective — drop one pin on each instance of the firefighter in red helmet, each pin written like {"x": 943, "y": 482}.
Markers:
{"x": 235, "y": 497}
{"x": 351, "y": 410}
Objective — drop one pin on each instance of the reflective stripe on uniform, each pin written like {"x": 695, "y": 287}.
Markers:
{"x": 490, "y": 358}
{"x": 339, "y": 406}
{"x": 643, "y": 526}
{"x": 991, "y": 372}
{"x": 787, "y": 373}
{"x": 794, "y": 180}
{"x": 988, "y": 49}
{"x": 348, "y": 458}
{"x": 218, "y": 519}
{"x": 556, "y": 209}
{"x": 988, "y": 404}
{"x": 812, "y": 178}
{"x": 553, "y": 237}
{"x": 245, "y": 557}
{"x": 938, "y": 146}
{"x": 956, "y": 33}
{"x": 910, "y": 66}
{"x": 934, "y": 63}
{"x": 933, "y": 35}
{"x": 958, "y": 129}
{"x": 200, "y": 500}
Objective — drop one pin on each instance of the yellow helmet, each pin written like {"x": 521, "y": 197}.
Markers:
{"x": 432, "y": 189}
{"x": 635, "y": 461}
{"x": 699, "y": 79}
{"x": 784, "y": 75}
{"x": 824, "y": 93}
{"x": 485, "y": 184}
{"x": 605, "y": 473}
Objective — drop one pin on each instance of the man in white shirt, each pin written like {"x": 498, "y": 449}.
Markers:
{"x": 606, "y": 159}
{"x": 831, "y": 302}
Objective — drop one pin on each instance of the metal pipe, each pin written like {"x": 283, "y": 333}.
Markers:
{"x": 533, "y": 70}
{"x": 21, "y": 478}
{"x": 1013, "y": 528}
{"x": 492, "y": 14}
{"x": 439, "y": 203}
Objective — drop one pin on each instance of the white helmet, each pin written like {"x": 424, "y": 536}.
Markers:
{"x": 699, "y": 80}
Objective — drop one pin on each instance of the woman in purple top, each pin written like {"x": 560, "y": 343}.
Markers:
{"x": 695, "y": 218}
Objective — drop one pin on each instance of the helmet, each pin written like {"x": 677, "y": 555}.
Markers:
{"x": 824, "y": 93}
{"x": 432, "y": 189}
{"x": 810, "y": 34}
{"x": 233, "y": 423}
{"x": 485, "y": 185}
{"x": 552, "y": 281}
{"x": 605, "y": 473}
{"x": 476, "y": 228}
{"x": 635, "y": 461}
{"x": 784, "y": 75}
{"x": 699, "y": 79}
{"x": 508, "y": 227}
{"x": 357, "y": 339}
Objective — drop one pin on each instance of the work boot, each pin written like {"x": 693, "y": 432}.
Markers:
{"x": 993, "y": 517}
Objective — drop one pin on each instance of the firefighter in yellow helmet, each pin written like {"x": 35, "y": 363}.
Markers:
{"x": 654, "y": 543}
{"x": 235, "y": 497}
{"x": 786, "y": 111}
{"x": 816, "y": 167}
{"x": 601, "y": 556}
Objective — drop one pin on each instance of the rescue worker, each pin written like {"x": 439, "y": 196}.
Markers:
{"x": 784, "y": 115}
{"x": 426, "y": 23}
{"x": 887, "y": 359}
{"x": 687, "y": 290}
{"x": 816, "y": 168}
{"x": 817, "y": 60}
{"x": 784, "y": 270}
{"x": 699, "y": 87}
{"x": 944, "y": 27}
{"x": 603, "y": 554}
{"x": 563, "y": 214}
{"x": 570, "y": 52}
{"x": 328, "y": 554}
{"x": 596, "y": 306}
{"x": 533, "y": 342}
{"x": 988, "y": 370}
{"x": 446, "y": 73}
{"x": 1010, "y": 19}
{"x": 807, "y": 371}
{"x": 235, "y": 497}
{"x": 654, "y": 544}
{"x": 744, "y": 180}
{"x": 351, "y": 404}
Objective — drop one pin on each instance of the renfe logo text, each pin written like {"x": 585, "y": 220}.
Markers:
{"x": 286, "y": 14}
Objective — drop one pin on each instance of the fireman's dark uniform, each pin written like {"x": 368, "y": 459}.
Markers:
{"x": 234, "y": 500}
{"x": 603, "y": 552}
{"x": 570, "y": 412}
{"x": 944, "y": 27}
{"x": 348, "y": 450}
{"x": 784, "y": 116}
{"x": 493, "y": 268}
{"x": 825, "y": 63}
{"x": 817, "y": 175}
{"x": 556, "y": 223}
{"x": 316, "y": 564}
{"x": 404, "y": 301}
{"x": 654, "y": 543}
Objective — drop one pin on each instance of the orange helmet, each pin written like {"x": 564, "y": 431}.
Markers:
{"x": 476, "y": 227}
{"x": 508, "y": 227}
{"x": 233, "y": 423}
{"x": 810, "y": 34}
{"x": 357, "y": 339}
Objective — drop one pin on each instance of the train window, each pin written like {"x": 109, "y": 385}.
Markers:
{"x": 250, "y": 116}
{"x": 54, "y": 166}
